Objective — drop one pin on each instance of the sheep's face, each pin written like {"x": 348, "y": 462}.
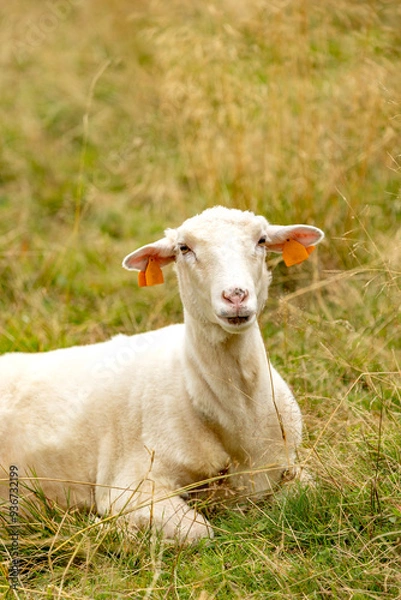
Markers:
{"x": 220, "y": 262}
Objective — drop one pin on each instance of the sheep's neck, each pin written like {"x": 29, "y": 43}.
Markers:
{"x": 225, "y": 373}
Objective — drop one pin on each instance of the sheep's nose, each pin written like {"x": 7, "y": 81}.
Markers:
{"x": 235, "y": 296}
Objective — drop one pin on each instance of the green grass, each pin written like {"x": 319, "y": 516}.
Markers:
{"x": 120, "y": 119}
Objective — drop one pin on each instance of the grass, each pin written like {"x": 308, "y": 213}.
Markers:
{"x": 118, "y": 121}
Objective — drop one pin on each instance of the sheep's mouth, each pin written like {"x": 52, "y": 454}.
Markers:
{"x": 237, "y": 320}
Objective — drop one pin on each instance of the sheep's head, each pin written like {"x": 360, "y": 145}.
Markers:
{"x": 220, "y": 262}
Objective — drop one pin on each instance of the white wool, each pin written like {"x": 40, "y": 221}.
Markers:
{"x": 124, "y": 424}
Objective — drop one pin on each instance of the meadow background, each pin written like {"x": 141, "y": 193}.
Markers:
{"x": 119, "y": 119}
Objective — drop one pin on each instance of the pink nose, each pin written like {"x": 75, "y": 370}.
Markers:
{"x": 235, "y": 296}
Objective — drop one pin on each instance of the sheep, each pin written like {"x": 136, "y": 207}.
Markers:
{"x": 127, "y": 425}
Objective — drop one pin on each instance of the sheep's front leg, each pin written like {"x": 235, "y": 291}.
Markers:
{"x": 149, "y": 506}
{"x": 173, "y": 518}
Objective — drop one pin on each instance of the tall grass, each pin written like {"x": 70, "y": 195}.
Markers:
{"x": 121, "y": 119}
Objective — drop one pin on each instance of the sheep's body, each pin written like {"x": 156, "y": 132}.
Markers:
{"x": 125, "y": 423}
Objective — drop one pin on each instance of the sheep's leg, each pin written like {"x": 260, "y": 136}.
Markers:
{"x": 172, "y": 516}
{"x": 149, "y": 505}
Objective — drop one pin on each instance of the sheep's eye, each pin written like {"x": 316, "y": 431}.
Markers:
{"x": 262, "y": 241}
{"x": 184, "y": 249}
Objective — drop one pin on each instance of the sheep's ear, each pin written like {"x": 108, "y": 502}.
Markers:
{"x": 296, "y": 242}
{"x": 149, "y": 259}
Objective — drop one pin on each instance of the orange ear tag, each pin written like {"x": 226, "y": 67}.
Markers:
{"x": 141, "y": 279}
{"x": 294, "y": 253}
{"x": 152, "y": 275}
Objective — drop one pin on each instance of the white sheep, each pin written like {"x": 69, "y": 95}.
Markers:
{"x": 126, "y": 425}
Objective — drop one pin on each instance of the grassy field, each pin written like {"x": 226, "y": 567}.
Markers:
{"x": 120, "y": 119}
